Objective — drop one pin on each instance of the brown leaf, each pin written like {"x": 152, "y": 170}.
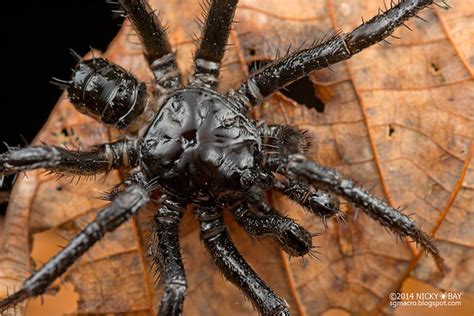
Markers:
{"x": 397, "y": 118}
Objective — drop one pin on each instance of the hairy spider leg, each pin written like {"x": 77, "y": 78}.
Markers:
{"x": 157, "y": 49}
{"x": 115, "y": 214}
{"x": 166, "y": 254}
{"x": 101, "y": 158}
{"x": 289, "y": 160}
{"x": 216, "y": 31}
{"x": 234, "y": 267}
{"x": 279, "y": 141}
{"x": 293, "y": 238}
{"x": 336, "y": 48}
{"x": 299, "y": 166}
{"x": 319, "y": 202}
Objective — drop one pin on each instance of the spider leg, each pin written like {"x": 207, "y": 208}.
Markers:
{"x": 293, "y": 238}
{"x": 56, "y": 159}
{"x": 280, "y": 141}
{"x": 116, "y": 213}
{"x": 285, "y": 140}
{"x": 214, "y": 39}
{"x": 287, "y": 157}
{"x": 234, "y": 267}
{"x": 157, "y": 48}
{"x": 298, "y": 165}
{"x": 319, "y": 202}
{"x": 167, "y": 257}
{"x": 336, "y": 48}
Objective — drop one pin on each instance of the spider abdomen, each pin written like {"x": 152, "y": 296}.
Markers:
{"x": 107, "y": 92}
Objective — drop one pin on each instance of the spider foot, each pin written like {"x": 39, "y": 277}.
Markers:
{"x": 173, "y": 298}
{"x": 166, "y": 254}
{"x": 293, "y": 238}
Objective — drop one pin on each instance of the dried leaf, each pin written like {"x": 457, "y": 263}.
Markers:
{"x": 398, "y": 118}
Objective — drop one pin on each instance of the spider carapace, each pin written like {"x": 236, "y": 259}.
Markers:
{"x": 199, "y": 143}
{"x": 200, "y": 147}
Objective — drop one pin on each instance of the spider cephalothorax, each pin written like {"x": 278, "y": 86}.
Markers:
{"x": 200, "y": 142}
{"x": 200, "y": 147}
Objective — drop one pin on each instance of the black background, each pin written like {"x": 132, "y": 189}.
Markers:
{"x": 36, "y": 37}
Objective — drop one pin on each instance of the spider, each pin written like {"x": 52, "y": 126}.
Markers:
{"x": 198, "y": 147}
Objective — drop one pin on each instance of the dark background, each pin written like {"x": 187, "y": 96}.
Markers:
{"x": 36, "y": 37}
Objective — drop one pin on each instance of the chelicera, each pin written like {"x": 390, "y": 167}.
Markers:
{"x": 200, "y": 147}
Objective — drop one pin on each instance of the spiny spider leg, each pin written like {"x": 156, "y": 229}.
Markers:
{"x": 279, "y": 141}
{"x": 287, "y": 158}
{"x": 116, "y": 213}
{"x": 299, "y": 166}
{"x": 156, "y": 46}
{"x": 214, "y": 40}
{"x": 337, "y": 48}
{"x": 102, "y": 158}
{"x": 167, "y": 257}
{"x": 319, "y": 202}
{"x": 233, "y": 265}
{"x": 293, "y": 238}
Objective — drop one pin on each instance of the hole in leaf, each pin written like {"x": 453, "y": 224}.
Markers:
{"x": 391, "y": 130}
{"x": 61, "y": 297}
{"x": 302, "y": 90}
{"x": 65, "y": 132}
{"x": 434, "y": 67}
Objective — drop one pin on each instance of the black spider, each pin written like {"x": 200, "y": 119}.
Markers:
{"x": 199, "y": 147}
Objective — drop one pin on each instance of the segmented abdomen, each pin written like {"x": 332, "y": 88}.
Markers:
{"x": 107, "y": 92}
